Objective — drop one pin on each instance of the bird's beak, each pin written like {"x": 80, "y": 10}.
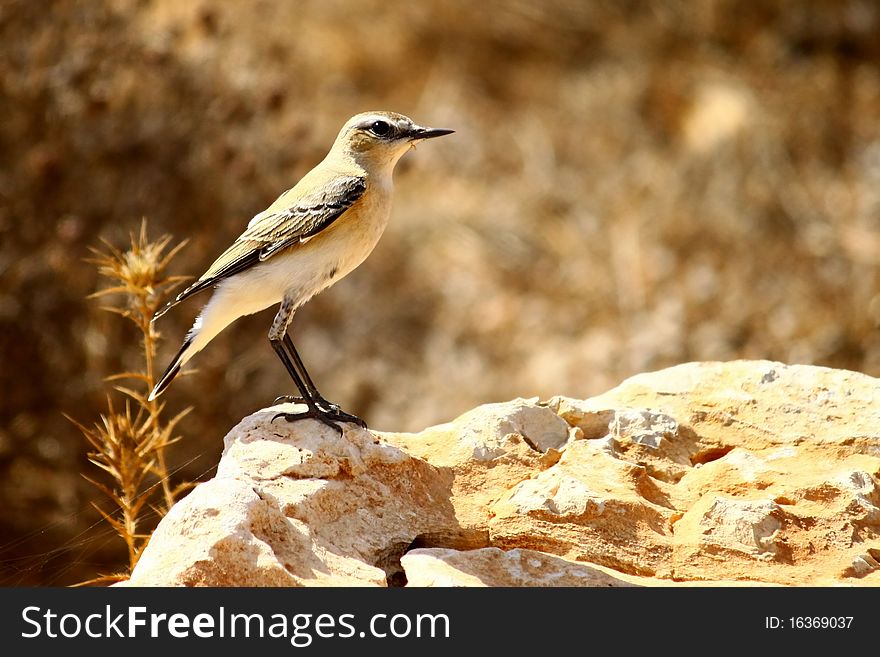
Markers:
{"x": 418, "y": 132}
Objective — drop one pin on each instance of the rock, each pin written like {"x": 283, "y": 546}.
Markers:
{"x": 495, "y": 567}
{"x": 298, "y": 504}
{"x": 591, "y": 507}
{"x": 746, "y": 472}
{"x": 486, "y": 451}
{"x": 772, "y": 471}
{"x": 225, "y": 533}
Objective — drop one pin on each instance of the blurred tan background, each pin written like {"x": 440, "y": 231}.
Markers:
{"x": 631, "y": 185}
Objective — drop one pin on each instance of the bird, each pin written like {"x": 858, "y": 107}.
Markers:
{"x": 310, "y": 237}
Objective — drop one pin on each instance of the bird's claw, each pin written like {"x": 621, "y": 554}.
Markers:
{"x": 328, "y": 417}
{"x": 289, "y": 399}
{"x": 342, "y": 416}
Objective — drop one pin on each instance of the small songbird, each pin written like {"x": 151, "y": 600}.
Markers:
{"x": 309, "y": 238}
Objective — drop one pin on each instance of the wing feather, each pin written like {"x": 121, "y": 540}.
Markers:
{"x": 286, "y": 222}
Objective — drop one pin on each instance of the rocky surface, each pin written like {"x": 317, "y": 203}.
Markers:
{"x": 747, "y": 472}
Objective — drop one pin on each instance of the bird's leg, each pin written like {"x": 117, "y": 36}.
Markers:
{"x": 303, "y": 373}
{"x": 318, "y": 409}
{"x": 313, "y": 390}
{"x": 279, "y": 349}
{"x": 277, "y": 338}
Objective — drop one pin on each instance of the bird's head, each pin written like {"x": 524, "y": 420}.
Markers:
{"x": 376, "y": 140}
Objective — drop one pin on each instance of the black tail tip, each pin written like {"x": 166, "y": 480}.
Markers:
{"x": 165, "y": 381}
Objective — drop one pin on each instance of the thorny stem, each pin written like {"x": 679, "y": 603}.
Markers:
{"x": 130, "y": 520}
{"x": 131, "y": 448}
{"x": 145, "y": 313}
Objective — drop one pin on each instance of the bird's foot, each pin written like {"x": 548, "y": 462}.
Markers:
{"x": 328, "y": 417}
{"x": 320, "y": 402}
{"x": 339, "y": 414}
{"x": 324, "y": 405}
{"x": 342, "y": 416}
{"x": 328, "y": 405}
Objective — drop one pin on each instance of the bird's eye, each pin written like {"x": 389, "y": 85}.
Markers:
{"x": 380, "y": 128}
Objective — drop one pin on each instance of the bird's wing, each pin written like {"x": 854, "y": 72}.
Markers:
{"x": 291, "y": 219}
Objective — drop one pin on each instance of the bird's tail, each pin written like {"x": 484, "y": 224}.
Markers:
{"x": 221, "y": 310}
{"x": 185, "y": 353}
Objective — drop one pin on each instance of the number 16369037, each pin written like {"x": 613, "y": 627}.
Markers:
{"x": 808, "y": 622}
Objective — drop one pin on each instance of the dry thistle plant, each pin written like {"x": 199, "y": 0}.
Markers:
{"x": 130, "y": 445}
